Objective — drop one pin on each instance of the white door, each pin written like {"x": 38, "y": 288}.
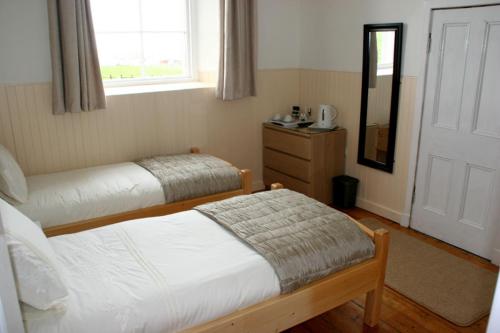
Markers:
{"x": 457, "y": 194}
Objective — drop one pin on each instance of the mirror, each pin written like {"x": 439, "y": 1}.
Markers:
{"x": 380, "y": 94}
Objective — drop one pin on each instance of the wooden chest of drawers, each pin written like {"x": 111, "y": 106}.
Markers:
{"x": 303, "y": 161}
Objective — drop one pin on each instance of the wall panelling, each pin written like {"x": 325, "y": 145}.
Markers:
{"x": 378, "y": 191}
{"x": 138, "y": 125}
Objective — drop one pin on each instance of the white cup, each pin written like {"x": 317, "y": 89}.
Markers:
{"x": 288, "y": 118}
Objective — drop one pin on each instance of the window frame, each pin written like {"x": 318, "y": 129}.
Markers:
{"x": 191, "y": 65}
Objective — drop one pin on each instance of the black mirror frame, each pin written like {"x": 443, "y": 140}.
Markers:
{"x": 396, "y": 80}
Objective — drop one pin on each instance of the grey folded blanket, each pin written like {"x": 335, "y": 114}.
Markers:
{"x": 190, "y": 176}
{"x": 303, "y": 239}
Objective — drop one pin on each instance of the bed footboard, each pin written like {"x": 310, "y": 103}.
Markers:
{"x": 245, "y": 174}
{"x": 373, "y": 303}
{"x": 246, "y": 181}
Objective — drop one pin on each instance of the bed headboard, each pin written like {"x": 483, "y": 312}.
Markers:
{"x": 10, "y": 312}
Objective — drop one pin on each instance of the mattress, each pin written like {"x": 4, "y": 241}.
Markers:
{"x": 70, "y": 196}
{"x": 161, "y": 274}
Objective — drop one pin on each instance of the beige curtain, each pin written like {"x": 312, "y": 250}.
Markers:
{"x": 76, "y": 77}
{"x": 372, "y": 82}
{"x": 237, "y": 47}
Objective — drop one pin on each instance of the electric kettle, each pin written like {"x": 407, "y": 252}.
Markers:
{"x": 326, "y": 117}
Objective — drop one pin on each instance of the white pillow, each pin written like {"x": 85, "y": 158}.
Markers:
{"x": 35, "y": 264}
{"x": 8, "y": 199}
{"x": 12, "y": 180}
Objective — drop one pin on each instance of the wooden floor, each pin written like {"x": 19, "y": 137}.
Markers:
{"x": 399, "y": 314}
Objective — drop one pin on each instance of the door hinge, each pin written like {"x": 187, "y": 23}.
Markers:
{"x": 429, "y": 41}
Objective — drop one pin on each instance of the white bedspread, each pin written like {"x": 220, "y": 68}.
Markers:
{"x": 77, "y": 195}
{"x": 162, "y": 274}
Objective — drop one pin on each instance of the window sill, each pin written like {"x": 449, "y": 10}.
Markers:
{"x": 152, "y": 88}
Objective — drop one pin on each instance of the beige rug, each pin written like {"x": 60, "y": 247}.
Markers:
{"x": 439, "y": 281}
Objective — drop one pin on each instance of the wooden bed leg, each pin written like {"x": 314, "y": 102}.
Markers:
{"x": 246, "y": 181}
{"x": 373, "y": 302}
{"x": 195, "y": 150}
{"x": 276, "y": 186}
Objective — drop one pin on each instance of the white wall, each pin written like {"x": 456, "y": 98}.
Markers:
{"x": 278, "y": 33}
{"x": 25, "y": 53}
{"x": 24, "y": 40}
{"x": 332, "y": 31}
{"x": 291, "y": 34}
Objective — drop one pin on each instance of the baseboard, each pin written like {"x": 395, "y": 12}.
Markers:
{"x": 405, "y": 220}
{"x": 383, "y": 211}
{"x": 258, "y": 185}
{"x": 495, "y": 256}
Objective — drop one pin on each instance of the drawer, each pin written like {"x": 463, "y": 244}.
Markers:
{"x": 383, "y": 138}
{"x": 287, "y": 164}
{"x": 271, "y": 176}
{"x": 288, "y": 143}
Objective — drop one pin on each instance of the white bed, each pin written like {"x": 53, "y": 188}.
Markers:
{"x": 78, "y": 195}
{"x": 202, "y": 271}
{"x": 162, "y": 274}
{"x": 72, "y": 201}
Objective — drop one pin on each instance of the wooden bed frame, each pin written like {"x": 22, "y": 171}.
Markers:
{"x": 285, "y": 311}
{"x": 170, "y": 208}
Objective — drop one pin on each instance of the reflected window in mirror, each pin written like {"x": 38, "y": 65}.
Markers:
{"x": 380, "y": 95}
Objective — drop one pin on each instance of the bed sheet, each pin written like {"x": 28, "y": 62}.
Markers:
{"x": 161, "y": 274}
{"x": 70, "y": 196}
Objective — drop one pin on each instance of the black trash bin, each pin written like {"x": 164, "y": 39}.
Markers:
{"x": 344, "y": 191}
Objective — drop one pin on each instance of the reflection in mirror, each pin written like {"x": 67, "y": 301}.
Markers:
{"x": 380, "y": 95}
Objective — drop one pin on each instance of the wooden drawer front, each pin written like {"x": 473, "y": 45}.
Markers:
{"x": 287, "y": 164}
{"x": 271, "y": 176}
{"x": 383, "y": 138}
{"x": 288, "y": 143}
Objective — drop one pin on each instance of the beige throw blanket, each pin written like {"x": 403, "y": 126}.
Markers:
{"x": 190, "y": 176}
{"x": 303, "y": 239}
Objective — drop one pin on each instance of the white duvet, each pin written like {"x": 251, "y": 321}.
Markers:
{"x": 78, "y": 195}
{"x": 160, "y": 274}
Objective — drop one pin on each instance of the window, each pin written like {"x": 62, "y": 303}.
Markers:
{"x": 385, "y": 47}
{"x": 142, "y": 40}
